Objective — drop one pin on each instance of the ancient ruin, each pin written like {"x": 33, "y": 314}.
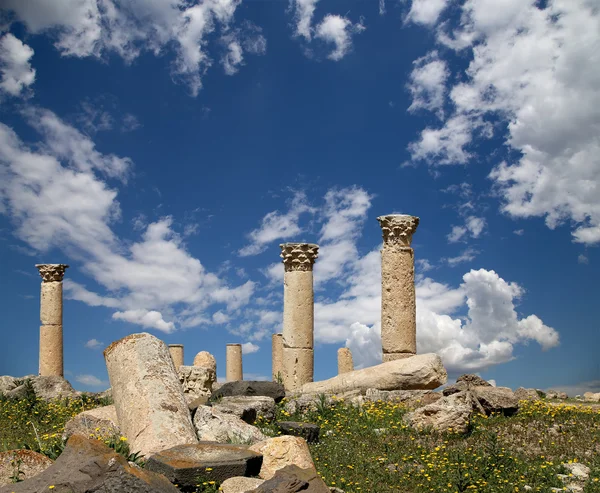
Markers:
{"x": 398, "y": 308}
{"x": 298, "y": 313}
{"x": 51, "y": 317}
{"x": 277, "y": 357}
{"x": 206, "y": 360}
{"x": 345, "y": 362}
{"x": 233, "y": 363}
{"x": 176, "y": 351}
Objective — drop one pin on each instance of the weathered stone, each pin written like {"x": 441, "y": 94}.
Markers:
{"x": 90, "y": 466}
{"x": 398, "y": 308}
{"x": 215, "y": 426}
{"x": 248, "y": 408}
{"x": 305, "y": 402}
{"x": 185, "y": 465}
{"x": 53, "y": 387}
{"x": 195, "y": 402}
{"x": 473, "y": 380}
{"x": 293, "y": 479}
{"x": 240, "y": 484}
{"x": 308, "y": 431}
{"x": 196, "y": 380}
{"x": 424, "y": 371}
{"x": 99, "y": 422}
{"x": 449, "y": 414}
{"x": 523, "y": 394}
{"x": 176, "y": 351}
{"x": 591, "y": 397}
{"x": 206, "y": 360}
{"x": 556, "y": 394}
{"x": 19, "y": 465}
{"x": 298, "y": 365}
{"x": 412, "y": 398}
{"x": 345, "y": 362}
{"x": 7, "y": 383}
{"x": 496, "y": 400}
{"x": 151, "y": 408}
{"x": 578, "y": 470}
{"x": 250, "y": 388}
{"x": 277, "y": 357}
{"x": 282, "y": 451}
{"x": 233, "y": 363}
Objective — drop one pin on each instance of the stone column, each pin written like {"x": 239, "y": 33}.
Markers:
{"x": 176, "y": 351}
{"x": 345, "y": 363}
{"x": 277, "y": 357}
{"x": 206, "y": 360}
{"x": 298, "y": 313}
{"x": 398, "y": 308}
{"x": 51, "y": 317}
{"x": 234, "y": 370}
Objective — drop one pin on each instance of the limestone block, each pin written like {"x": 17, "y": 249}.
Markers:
{"x": 240, "y": 484}
{"x": 298, "y": 367}
{"x": 206, "y": 360}
{"x": 99, "y": 422}
{"x": 591, "y": 397}
{"x": 234, "y": 370}
{"x": 410, "y": 398}
{"x": 249, "y": 388}
{"x": 309, "y": 431}
{"x": 51, "y": 350}
{"x": 452, "y": 413}
{"x": 248, "y": 408}
{"x": 24, "y": 463}
{"x": 496, "y": 399}
{"x": 394, "y": 356}
{"x": 51, "y": 304}
{"x": 214, "y": 426}
{"x": 298, "y": 309}
{"x": 283, "y": 451}
{"x": 345, "y": 363}
{"x": 420, "y": 372}
{"x": 151, "y": 408}
{"x": 277, "y": 357}
{"x": 176, "y": 351}
{"x": 398, "y": 308}
{"x": 526, "y": 394}
{"x": 196, "y": 380}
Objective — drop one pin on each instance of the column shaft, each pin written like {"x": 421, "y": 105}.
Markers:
{"x": 234, "y": 370}
{"x": 277, "y": 357}
{"x": 176, "y": 351}
{"x": 345, "y": 363}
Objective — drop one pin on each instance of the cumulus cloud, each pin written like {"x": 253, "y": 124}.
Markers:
{"x": 427, "y": 84}
{"x": 249, "y": 348}
{"x": 94, "y": 344}
{"x": 473, "y": 227}
{"x": 15, "y": 67}
{"x": 57, "y": 194}
{"x": 99, "y": 28}
{"x": 426, "y": 12}
{"x": 534, "y": 76}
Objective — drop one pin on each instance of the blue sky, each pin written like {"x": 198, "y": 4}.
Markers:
{"x": 164, "y": 150}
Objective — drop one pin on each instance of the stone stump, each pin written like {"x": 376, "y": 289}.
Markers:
{"x": 277, "y": 357}
{"x": 345, "y": 363}
{"x": 234, "y": 370}
{"x": 206, "y": 360}
{"x": 176, "y": 351}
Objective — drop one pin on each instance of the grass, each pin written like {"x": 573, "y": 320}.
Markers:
{"x": 370, "y": 449}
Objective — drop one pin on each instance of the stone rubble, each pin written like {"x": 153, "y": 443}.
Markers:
{"x": 282, "y": 451}
{"x": 214, "y": 426}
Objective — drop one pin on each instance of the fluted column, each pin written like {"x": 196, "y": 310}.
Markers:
{"x": 277, "y": 357}
{"x": 233, "y": 363}
{"x": 176, "y": 351}
{"x": 398, "y": 308}
{"x": 51, "y": 317}
{"x": 345, "y": 363}
{"x": 298, "y": 313}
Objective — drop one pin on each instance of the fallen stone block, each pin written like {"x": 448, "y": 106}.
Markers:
{"x": 247, "y": 408}
{"x": 100, "y": 422}
{"x": 214, "y": 426}
{"x": 411, "y": 398}
{"x": 240, "y": 484}
{"x": 591, "y": 397}
{"x": 282, "y": 451}
{"x": 186, "y": 465}
{"x": 90, "y": 466}
{"x": 309, "y": 431}
{"x": 151, "y": 408}
{"x": 496, "y": 400}
{"x": 19, "y": 465}
{"x": 249, "y": 388}
{"x": 523, "y": 394}
{"x": 422, "y": 372}
{"x": 293, "y": 479}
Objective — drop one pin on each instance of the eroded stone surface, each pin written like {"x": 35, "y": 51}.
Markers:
{"x": 249, "y": 388}
{"x": 292, "y": 479}
{"x": 196, "y": 381}
{"x": 309, "y": 431}
{"x": 247, "y": 408}
{"x": 526, "y": 394}
{"x": 591, "y": 397}
{"x": 234, "y": 370}
{"x": 411, "y": 398}
{"x": 345, "y": 362}
{"x": 420, "y": 372}
{"x": 449, "y": 414}
{"x": 215, "y": 426}
{"x": 277, "y": 357}
{"x": 282, "y": 451}
{"x": 240, "y": 484}
{"x": 151, "y": 408}
{"x": 298, "y": 367}
{"x": 206, "y": 360}
{"x": 176, "y": 351}
{"x": 21, "y": 464}
{"x": 100, "y": 422}
{"x": 496, "y": 399}
{"x": 184, "y": 464}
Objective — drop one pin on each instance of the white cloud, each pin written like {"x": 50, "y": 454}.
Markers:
{"x": 97, "y": 28}
{"x": 426, "y": 12}
{"x": 94, "y": 344}
{"x": 147, "y": 319}
{"x": 91, "y": 381}
{"x": 303, "y": 15}
{"x": 583, "y": 259}
{"x": 519, "y": 232}
{"x": 220, "y": 317}
{"x": 249, "y": 348}
{"x": 54, "y": 195}
{"x": 535, "y": 74}
{"x": 276, "y": 226}
{"x": 16, "y": 70}
{"x": 338, "y": 30}
{"x": 474, "y": 226}
{"x": 427, "y": 84}
{"x": 381, "y": 7}
{"x": 466, "y": 256}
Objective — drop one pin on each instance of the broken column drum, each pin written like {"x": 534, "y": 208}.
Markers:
{"x": 51, "y": 317}
{"x": 298, "y": 313}
{"x": 345, "y": 363}
{"x": 277, "y": 357}
{"x": 233, "y": 363}
{"x": 206, "y": 360}
{"x": 398, "y": 307}
{"x": 176, "y": 351}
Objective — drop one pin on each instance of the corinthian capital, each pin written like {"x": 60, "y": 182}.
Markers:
{"x": 52, "y": 272}
{"x": 299, "y": 256}
{"x": 398, "y": 228}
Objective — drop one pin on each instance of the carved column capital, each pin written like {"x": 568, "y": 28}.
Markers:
{"x": 398, "y": 229}
{"x": 299, "y": 256}
{"x": 52, "y": 272}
